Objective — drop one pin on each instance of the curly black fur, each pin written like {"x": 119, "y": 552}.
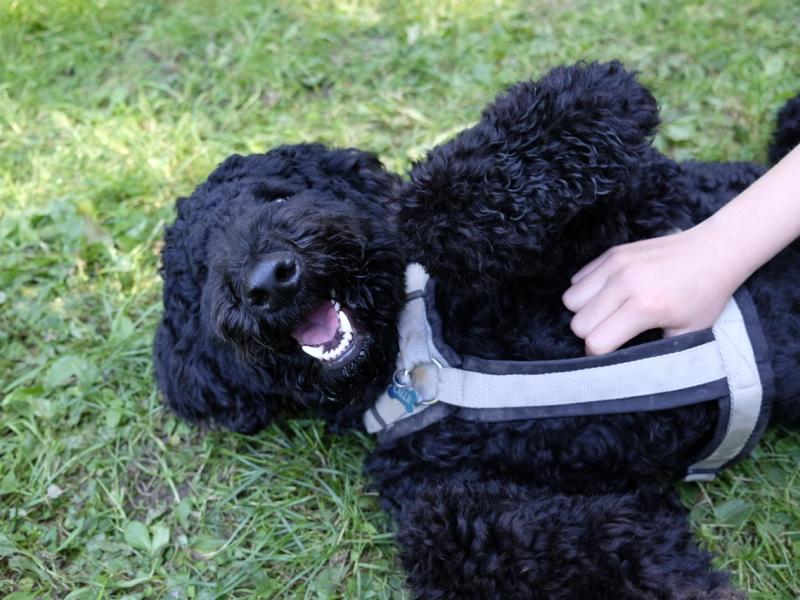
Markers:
{"x": 555, "y": 172}
{"x": 494, "y": 539}
{"x": 787, "y": 132}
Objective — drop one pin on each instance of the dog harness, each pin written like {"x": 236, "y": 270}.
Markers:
{"x": 728, "y": 363}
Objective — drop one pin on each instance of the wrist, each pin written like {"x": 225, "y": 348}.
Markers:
{"x": 729, "y": 262}
{"x": 759, "y": 222}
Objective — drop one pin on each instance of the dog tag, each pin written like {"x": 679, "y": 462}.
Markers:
{"x": 405, "y": 395}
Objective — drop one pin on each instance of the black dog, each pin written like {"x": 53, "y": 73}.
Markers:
{"x": 284, "y": 278}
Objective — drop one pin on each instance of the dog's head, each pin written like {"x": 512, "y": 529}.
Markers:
{"x": 305, "y": 274}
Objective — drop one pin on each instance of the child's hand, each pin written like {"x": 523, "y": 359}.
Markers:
{"x": 681, "y": 282}
{"x": 676, "y": 283}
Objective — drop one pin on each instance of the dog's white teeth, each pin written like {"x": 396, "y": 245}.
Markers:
{"x": 344, "y": 323}
{"x": 315, "y": 351}
{"x": 346, "y": 329}
{"x": 333, "y": 353}
{"x": 333, "y": 294}
{"x": 343, "y": 344}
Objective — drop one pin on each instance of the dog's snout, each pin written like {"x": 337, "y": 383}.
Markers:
{"x": 273, "y": 280}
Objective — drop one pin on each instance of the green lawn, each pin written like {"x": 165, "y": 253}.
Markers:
{"x": 111, "y": 109}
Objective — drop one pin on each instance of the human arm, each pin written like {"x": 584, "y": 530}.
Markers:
{"x": 681, "y": 282}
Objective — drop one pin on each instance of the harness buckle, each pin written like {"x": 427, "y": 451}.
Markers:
{"x": 404, "y": 391}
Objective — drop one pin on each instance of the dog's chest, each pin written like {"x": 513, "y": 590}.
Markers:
{"x": 516, "y": 325}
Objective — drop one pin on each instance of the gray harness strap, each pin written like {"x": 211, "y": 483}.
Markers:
{"x": 723, "y": 364}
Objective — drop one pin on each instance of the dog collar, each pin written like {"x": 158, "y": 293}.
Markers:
{"x": 728, "y": 363}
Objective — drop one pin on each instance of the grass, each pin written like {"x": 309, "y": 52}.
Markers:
{"x": 110, "y": 109}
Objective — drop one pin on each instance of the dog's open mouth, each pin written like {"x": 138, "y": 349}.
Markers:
{"x": 327, "y": 334}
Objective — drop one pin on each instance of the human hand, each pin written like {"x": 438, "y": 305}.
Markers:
{"x": 681, "y": 282}
{"x": 678, "y": 283}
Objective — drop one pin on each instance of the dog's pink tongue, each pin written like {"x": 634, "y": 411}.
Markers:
{"x": 318, "y": 326}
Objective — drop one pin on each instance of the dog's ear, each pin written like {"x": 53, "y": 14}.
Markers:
{"x": 200, "y": 378}
{"x": 493, "y": 203}
{"x": 205, "y": 383}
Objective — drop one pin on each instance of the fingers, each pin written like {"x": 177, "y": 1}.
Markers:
{"x": 580, "y": 293}
{"x": 591, "y": 266}
{"x": 623, "y": 325}
{"x": 598, "y": 309}
{"x": 616, "y": 297}
{"x": 675, "y": 332}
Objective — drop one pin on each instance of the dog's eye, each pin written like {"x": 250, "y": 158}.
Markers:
{"x": 227, "y": 281}
{"x": 279, "y": 200}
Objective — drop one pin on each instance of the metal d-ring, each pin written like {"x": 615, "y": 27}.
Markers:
{"x": 408, "y": 375}
{"x": 434, "y": 400}
{"x": 404, "y": 378}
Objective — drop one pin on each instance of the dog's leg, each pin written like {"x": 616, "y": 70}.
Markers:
{"x": 490, "y": 539}
{"x": 555, "y": 171}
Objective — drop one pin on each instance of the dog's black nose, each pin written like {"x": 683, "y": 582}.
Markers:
{"x": 273, "y": 280}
